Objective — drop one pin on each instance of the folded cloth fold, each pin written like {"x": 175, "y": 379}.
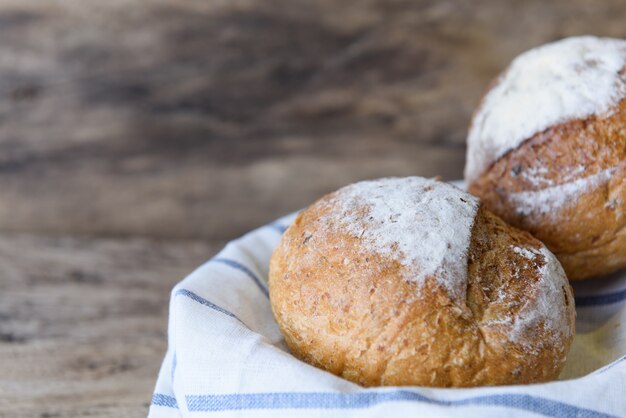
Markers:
{"x": 226, "y": 356}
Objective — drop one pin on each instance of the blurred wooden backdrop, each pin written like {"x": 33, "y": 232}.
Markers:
{"x": 137, "y": 136}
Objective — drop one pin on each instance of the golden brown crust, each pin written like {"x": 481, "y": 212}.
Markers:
{"x": 584, "y": 159}
{"x": 366, "y": 322}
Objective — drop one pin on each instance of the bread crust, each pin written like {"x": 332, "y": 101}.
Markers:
{"x": 367, "y": 322}
{"x": 580, "y": 163}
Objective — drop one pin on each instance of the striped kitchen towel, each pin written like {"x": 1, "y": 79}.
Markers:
{"x": 227, "y": 358}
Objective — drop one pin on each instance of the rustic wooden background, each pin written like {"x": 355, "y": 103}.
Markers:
{"x": 137, "y": 137}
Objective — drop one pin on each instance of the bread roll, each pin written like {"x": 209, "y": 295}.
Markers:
{"x": 409, "y": 281}
{"x": 546, "y": 151}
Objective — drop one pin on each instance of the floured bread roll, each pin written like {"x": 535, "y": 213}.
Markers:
{"x": 547, "y": 146}
{"x": 408, "y": 281}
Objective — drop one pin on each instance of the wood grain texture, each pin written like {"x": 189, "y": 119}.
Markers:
{"x": 186, "y": 121}
{"x": 157, "y": 118}
{"x": 83, "y": 322}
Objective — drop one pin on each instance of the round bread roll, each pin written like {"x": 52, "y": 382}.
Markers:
{"x": 547, "y": 146}
{"x": 408, "y": 281}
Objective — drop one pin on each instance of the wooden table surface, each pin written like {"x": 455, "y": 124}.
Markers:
{"x": 137, "y": 137}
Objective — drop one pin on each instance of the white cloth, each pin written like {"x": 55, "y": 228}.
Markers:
{"x": 227, "y": 358}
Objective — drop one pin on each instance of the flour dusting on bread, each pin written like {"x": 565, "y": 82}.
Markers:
{"x": 423, "y": 224}
{"x": 550, "y": 200}
{"x": 543, "y": 308}
{"x": 570, "y": 79}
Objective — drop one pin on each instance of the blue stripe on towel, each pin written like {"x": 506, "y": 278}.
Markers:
{"x": 328, "y": 400}
{"x": 238, "y": 266}
{"x": 164, "y": 400}
{"x": 203, "y": 301}
{"x": 596, "y": 300}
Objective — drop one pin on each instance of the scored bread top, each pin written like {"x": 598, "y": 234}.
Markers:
{"x": 426, "y": 226}
{"x": 423, "y": 224}
{"x": 569, "y": 79}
